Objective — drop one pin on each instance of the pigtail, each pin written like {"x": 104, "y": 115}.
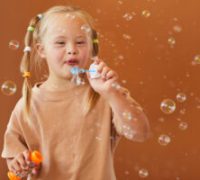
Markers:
{"x": 91, "y": 101}
{"x": 25, "y": 64}
{"x": 93, "y": 96}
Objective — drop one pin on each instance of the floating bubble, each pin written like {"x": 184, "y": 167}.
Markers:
{"x": 127, "y": 115}
{"x": 126, "y": 172}
{"x": 182, "y": 111}
{"x": 8, "y": 88}
{"x": 124, "y": 81}
{"x": 121, "y": 57}
{"x": 126, "y": 36}
{"x": 71, "y": 16}
{"x": 164, "y": 140}
{"x": 196, "y": 59}
{"x": 120, "y": 2}
{"x": 86, "y": 28}
{"x": 13, "y": 44}
{"x": 99, "y": 11}
{"x": 177, "y": 28}
{"x": 181, "y": 97}
{"x": 161, "y": 119}
{"x": 146, "y": 13}
{"x": 77, "y": 80}
{"x": 127, "y": 131}
{"x": 98, "y": 138}
{"x": 168, "y": 106}
{"x": 183, "y": 125}
{"x": 128, "y": 16}
{"x": 143, "y": 173}
{"x": 116, "y": 85}
{"x": 171, "y": 41}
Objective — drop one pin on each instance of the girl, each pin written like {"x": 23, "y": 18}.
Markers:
{"x": 75, "y": 127}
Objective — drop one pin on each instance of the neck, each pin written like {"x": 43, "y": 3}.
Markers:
{"x": 55, "y": 83}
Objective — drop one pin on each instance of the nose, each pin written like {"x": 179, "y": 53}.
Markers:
{"x": 71, "y": 49}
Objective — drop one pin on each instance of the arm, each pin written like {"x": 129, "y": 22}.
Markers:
{"x": 128, "y": 116}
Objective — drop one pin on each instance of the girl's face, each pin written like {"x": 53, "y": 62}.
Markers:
{"x": 65, "y": 40}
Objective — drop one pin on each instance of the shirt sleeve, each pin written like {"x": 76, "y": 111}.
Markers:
{"x": 14, "y": 142}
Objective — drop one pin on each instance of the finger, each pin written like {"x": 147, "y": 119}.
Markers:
{"x": 21, "y": 160}
{"x": 35, "y": 171}
{"x": 110, "y": 74}
{"x": 100, "y": 67}
{"x": 27, "y": 154}
{"x": 16, "y": 166}
{"x": 96, "y": 60}
{"x": 113, "y": 81}
{"x": 104, "y": 72}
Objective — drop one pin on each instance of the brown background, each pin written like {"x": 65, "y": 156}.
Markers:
{"x": 153, "y": 71}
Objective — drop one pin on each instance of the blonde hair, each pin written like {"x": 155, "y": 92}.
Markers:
{"x": 32, "y": 37}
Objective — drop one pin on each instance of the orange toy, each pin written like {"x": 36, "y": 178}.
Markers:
{"x": 35, "y": 157}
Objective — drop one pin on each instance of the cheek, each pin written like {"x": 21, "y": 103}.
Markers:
{"x": 85, "y": 58}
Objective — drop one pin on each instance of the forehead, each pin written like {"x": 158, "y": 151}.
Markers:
{"x": 68, "y": 23}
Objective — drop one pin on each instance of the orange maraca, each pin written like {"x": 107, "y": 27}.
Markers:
{"x": 36, "y": 159}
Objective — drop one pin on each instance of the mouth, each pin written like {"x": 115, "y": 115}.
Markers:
{"x": 72, "y": 62}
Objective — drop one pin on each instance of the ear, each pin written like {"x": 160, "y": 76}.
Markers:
{"x": 40, "y": 50}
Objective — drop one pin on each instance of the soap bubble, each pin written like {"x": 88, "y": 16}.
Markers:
{"x": 164, "y": 140}
{"x": 183, "y": 125}
{"x": 128, "y": 16}
{"x": 120, "y": 2}
{"x": 71, "y": 16}
{"x": 168, "y": 106}
{"x": 13, "y": 44}
{"x": 126, "y": 172}
{"x": 124, "y": 81}
{"x": 77, "y": 80}
{"x": 177, "y": 28}
{"x": 181, "y": 97}
{"x": 8, "y": 88}
{"x": 127, "y": 116}
{"x": 126, "y": 36}
{"x": 171, "y": 41}
{"x": 116, "y": 85}
{"x": 86, "y": 28}
{"x": 128, "y": 132}
{"x": 143, "y": 173}
{"x": 182, "y": 111}
{"x": 196, "y": 59}
{"x": 120, "y": 57}
{"x": 146, "y": 13}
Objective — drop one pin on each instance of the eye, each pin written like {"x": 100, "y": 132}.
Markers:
{"x": 80, "y": 42}
{"x": 60, "y": 42}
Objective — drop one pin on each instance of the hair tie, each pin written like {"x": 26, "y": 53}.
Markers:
{"x": 26, "y": 74}
{"x": 40, "y": 16}
{"x": 95, "y": 41}
{"x": 27, "y": 49}
{"x": 31, "y": 28}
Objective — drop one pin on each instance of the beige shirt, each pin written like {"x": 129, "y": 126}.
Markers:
{"x": 73, "y": 147}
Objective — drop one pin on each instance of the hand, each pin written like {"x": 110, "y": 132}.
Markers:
{"x": 103, "y": 85}
{"x": 20, "y": 164}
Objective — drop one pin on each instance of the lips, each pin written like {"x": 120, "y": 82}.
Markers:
{"x": 72, "y": 62}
